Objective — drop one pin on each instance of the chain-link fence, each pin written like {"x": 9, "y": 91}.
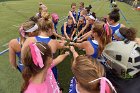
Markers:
{"x": 134, "y": 3}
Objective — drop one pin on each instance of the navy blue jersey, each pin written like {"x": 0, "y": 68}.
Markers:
{"x": 88, "y": 28}
{"x": 69, "y": 29}
{"x": 74, "y": 14}
{"x": 80, "y": 27}
{"x": 55, "y": 26}
{"x": 18, "y": 54}
{"x": 79, "y": 13}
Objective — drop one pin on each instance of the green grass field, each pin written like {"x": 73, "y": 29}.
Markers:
{"x": 14, "y": 12}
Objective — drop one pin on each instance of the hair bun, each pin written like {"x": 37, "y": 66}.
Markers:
{"x": 90, "y": 6}
{"x": 45, "y": 16}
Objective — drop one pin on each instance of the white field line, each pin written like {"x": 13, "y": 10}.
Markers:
{"x": 16, "y": 26}
{"x": 3, "y": 3}
{"x": 22, "y": 11}
{"x": 5, "y": 44}
{"x": 4, "y": 51}
{"x": 64, "y": 17}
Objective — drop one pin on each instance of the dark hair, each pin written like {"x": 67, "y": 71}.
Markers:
{"x": 30, "y": 69}
{"x": 114, "y": 15}
{"x": 88, "y": 8}
{"x": 128, "y": 33}
{"x": 94, "y": 15}
{"x": 82, "y": 3}
{"x": 73, "y": 4}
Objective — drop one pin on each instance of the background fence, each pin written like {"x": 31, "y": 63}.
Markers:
{"x": 130, "y": 2}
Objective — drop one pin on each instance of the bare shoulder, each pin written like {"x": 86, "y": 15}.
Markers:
{"x": 14, "y": 45}
{"x": 53, "y": 42}
{"x": 122, "y": 25}
{"x": 88, "y": 48}
{"x": 87, "y": 23}
{"x": 85, "y": 44}
{"x": 65, "y": 23}
{"x": 26, "y": 43}
{"x": 13, "y": 42}
{"x": 70, "y": 12}
{"x": 137, "y": 40}
{"x": 30, "y": 40}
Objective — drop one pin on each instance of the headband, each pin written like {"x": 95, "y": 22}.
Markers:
{"x": 32, "y": 29}
{"x": 104, "y": 88}
{"x": 91, "y": 17}
{"x": 22, "y": 32}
